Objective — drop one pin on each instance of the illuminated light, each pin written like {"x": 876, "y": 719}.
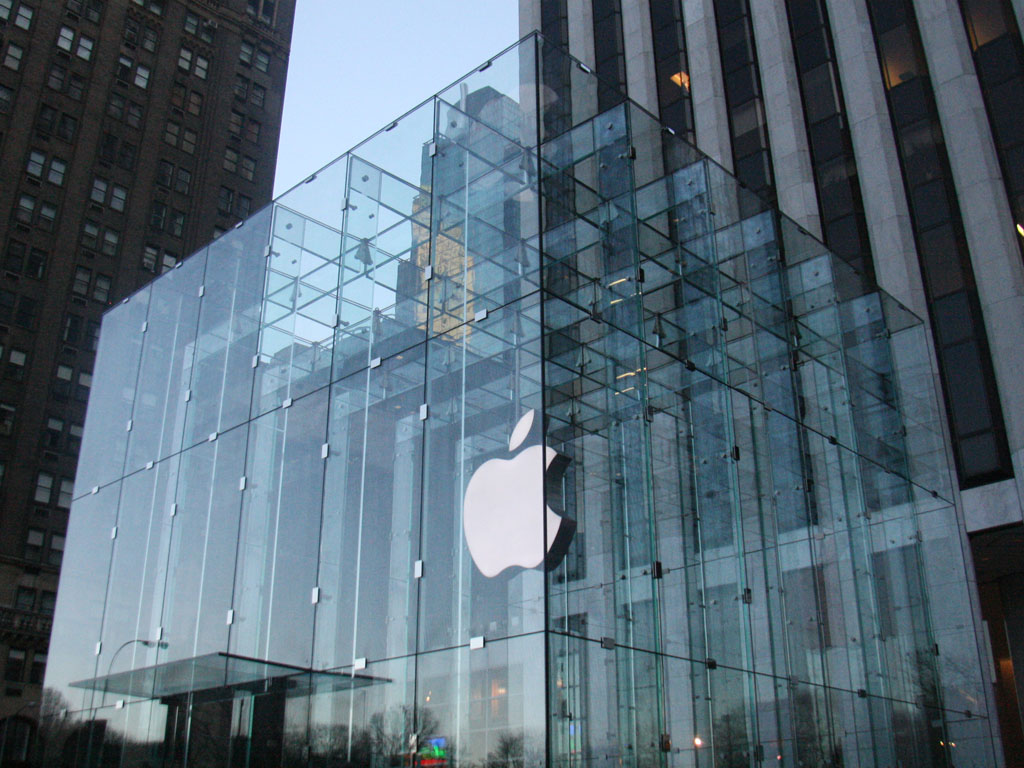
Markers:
{"x": 1020, "y": 230}
{"x": 942, "y": 743}
{"x": 682, "y": 79}
{"x": 614, "y": 301}
{"x": 625, "y": 279}
{"x": 698, "y": 741}
{"x": 952, "y": 743}
{"x": 626, "y": 375}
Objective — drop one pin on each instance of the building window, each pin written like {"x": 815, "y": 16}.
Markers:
{"x": 262, "y": 60}
{"x": 76, "y": 88}
{"x": 5, "y": 9}
{"x": 195, "y": 103}
{"x": 164, "y": 172}
{"x": 83, "y": 278}
{"x": 244, "y": 207}
{"x": 157, "y": 215}
{"x": 262, "y": 10}
{"x": 118, "y": 197}
{"x": 150, "y": 256}
{"x": 172, "y": 132}
{"x": 235, "y": 122}
{"x": 56, "y": 554}
{"x": 13, "y": 57}
{"x": 24, "y": 17}
{"x": 25, "y": 316}
{"x": 176, "y": 227}
{"x": 36, "y": 161}
{"x": 35, "y": 265}
{"x": 142, "y": 77}
{"x": 34, "y": 544}
{"x": 6, "y": 99}
{"x": 57, "y": 77}
{"x": 47, "y": 214}
{"x": 226, "y": 200}
{"x": 63, "y": 376}
{"x": 64, "y": 494}
{"x": 252, "y": 131}
{"x": 71, "y": 333}
{"x": 99, "y": 190}
{"x": 188, "y": 141}
{"x": 16, "y": 363}
{"x": 14, "y": 672}
{"x": 38, "y": 669}
{"x": 47, "y": 602}
{"x": 57, "y": 170}
{"x": 230, "y": 160}
{"x": 182, "y": 180}
{"x": 259, "y": 95}
{"x": 137, "y": 33}
{"x": 7, "y": 412}
{"x": 246, "y": 53}
{"x": 242, "y": 87}
{"x": 90, "y": 9}
{"x": 26, "y": 209}
{"x": 84, "y": 385}
{"x": 66, "y": 42}
{"x": 90, "y": 235}
{"x": 25, "y": 599}
{"x": 55, "y": 427}
{"x": 75, "y": 430}
{"x": 133, "y": 114}
{"x": 153, "y": 6}
{"x": 44, "y": 488}
{"x": 66, "y": 39}
{"x": 248, "y": 168}
{"x": 185, "y": 59}
{"x": 101, "y": 288}
{"x": 66, "y": 126}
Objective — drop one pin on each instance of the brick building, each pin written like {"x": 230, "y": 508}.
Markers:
{"x": 131, "y": 132}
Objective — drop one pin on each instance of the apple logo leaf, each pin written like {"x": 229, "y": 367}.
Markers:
{"x": 521, "y": 431}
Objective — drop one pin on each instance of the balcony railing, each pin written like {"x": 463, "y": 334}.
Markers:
{"x": 18, "y": 622}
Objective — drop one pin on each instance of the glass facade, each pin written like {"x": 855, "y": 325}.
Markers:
{"x": 494, "y": 444}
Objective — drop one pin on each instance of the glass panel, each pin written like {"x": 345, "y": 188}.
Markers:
{"x": 228, "y": 335}
{"x": 111, "y": 399}
{"x": 168, "y": 348}
{"x": 483, "y": 379}
{"x": 277, "y": 536}
{"x": 202, "y": 551}
{"x": 73, "y": 655}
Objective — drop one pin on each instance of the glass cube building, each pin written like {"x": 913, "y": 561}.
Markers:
{"x": 520, "y": 435}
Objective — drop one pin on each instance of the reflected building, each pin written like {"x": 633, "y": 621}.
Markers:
{"x": 522, "y": 434}
{"x": 890, "y": 130}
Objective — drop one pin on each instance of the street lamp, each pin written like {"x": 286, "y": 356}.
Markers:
{"x": 7, "y": 722}
{"x": 147, "y": 643}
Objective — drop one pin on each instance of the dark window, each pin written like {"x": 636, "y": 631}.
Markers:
{"x": 672, "y": 69}
{"x": 14, "y": 672}
{"x": 972, "y": 400}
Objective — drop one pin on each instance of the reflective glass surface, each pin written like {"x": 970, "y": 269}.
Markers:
{"x": 521, "y": 435}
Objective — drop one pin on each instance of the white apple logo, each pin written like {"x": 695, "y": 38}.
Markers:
{"x": 504, "y": 513}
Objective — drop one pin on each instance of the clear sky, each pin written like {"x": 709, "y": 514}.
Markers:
{"x": 356, "y": 65}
